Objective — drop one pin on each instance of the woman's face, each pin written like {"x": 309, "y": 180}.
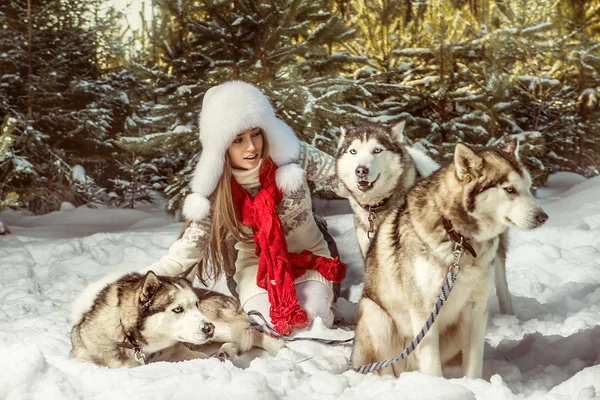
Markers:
{"x": 246, "y": 150}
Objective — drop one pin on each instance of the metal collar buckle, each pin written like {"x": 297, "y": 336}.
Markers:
{"x": 139, "y": 356}
{"x": 457, "y": 252}
{"x": 371, "y": 231}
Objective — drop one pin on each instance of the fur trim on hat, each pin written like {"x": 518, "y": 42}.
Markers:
{"x": 227, "y": 110}
{"x": 196, "y": 207}
{"x": 290, "y": 177}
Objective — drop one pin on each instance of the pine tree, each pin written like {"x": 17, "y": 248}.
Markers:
{"x": 465, "y": 71}
{"x": 480, "y": 71}
{"x": 135, "y": 183}
{"x": 11, "y": 199}
{"x": 384, "y": 27}
{"x": 432, "y": 44}
{"x": 579, "y": 32}
{"x": 69, "y": 109}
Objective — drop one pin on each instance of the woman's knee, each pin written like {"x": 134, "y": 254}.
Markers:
{"x": 313, "y": 296}
{"x": 316, "y": 298}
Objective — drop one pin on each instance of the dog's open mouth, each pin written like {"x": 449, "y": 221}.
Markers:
{"x": 364, "y": 186}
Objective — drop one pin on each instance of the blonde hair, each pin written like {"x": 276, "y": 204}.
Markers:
{"x": 224, "y": 222}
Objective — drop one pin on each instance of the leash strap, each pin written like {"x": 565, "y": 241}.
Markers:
{"x": 437, "y": 307}
{"x": 265, "y": 327}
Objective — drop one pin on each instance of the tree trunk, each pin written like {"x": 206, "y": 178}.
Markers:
{"x": 492, "y": 121}
{"x": 580, "y": 155}
{"x": 30, "y": 64}
{"x": 143, "y": 18}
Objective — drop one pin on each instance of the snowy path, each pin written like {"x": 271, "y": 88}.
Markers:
{"x": 550, "y": 349}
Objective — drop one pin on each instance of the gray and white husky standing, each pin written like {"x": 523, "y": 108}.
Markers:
{"x": 145, "y": 318}
{"x": 473, "y": 199}
{"x": 377, "y": 170}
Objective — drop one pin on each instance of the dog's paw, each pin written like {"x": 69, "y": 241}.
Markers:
{"x": 271, "y": 345}
{"x": 228, "y": 351}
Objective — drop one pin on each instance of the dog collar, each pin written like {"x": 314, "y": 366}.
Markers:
{"x": 376, "y": 207}
{"x": 379, "y": 205}
{"x": 138, "y": 354}
{"x": 372, "y": 215}
{"x": 457, "y": 237}
{"x": 132, "y": 344}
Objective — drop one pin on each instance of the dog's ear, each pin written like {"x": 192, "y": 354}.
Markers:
{"x": 150, "y": 287}
{"x": 398, "y": 132}
{"x": 513, "y": 148}
{"x": 468, "y": 163}
{"x": 343, "y": 132}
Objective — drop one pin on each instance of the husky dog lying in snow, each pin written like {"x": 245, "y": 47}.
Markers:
{"x": 377, "y": 170}
{"x": 145, "y": 318}
{"x": 475, "y": 199}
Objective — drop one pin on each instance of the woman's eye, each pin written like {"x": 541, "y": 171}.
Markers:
{"x": 237, "y": 141}
{"x": 178, "y": 310}
{"x": 509, "y": 190}
{"x": 377, "y": 150}
{"x": 259, "y": 132}
{"x": 352, "y": 151}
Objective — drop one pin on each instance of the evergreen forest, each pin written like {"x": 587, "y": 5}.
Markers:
{"x": 96, "y": 109}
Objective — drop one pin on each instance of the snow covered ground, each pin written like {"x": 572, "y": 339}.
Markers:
{"x": 550, "y": 349}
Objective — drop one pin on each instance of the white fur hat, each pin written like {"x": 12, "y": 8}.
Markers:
{"x": 227, "y": 110}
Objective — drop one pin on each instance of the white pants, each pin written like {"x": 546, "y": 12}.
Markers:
{"x": 315, "y": 297}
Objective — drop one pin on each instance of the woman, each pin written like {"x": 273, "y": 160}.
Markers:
{"x": 250, "y": 184}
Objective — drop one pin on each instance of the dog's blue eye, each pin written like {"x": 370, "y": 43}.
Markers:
{"x": 377, "y": 150}
{"x": 510, "y": 190}
{"x": 178, "y": 310}
{"x": 352, "y": 151}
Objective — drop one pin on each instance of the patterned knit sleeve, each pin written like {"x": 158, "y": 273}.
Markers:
{"x": 320, "y": 168}
{"x": 185, "y": 252}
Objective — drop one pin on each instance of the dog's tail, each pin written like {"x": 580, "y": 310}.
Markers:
{"x": 85, "y": 301}
{"x": 424, "y": 164}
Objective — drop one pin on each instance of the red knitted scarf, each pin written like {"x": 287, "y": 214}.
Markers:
{"x": 277, "y": 268}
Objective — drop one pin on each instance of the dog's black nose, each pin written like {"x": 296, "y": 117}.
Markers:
{"x": 208, "y": 329}
{"x": 361, "y": 171}
{"x": 542, "y": 217}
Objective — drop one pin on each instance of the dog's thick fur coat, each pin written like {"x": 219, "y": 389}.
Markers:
{"x": 481, "y": 193}
{"x": 167, "y": 318}
{"x": 377, "y": 171}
